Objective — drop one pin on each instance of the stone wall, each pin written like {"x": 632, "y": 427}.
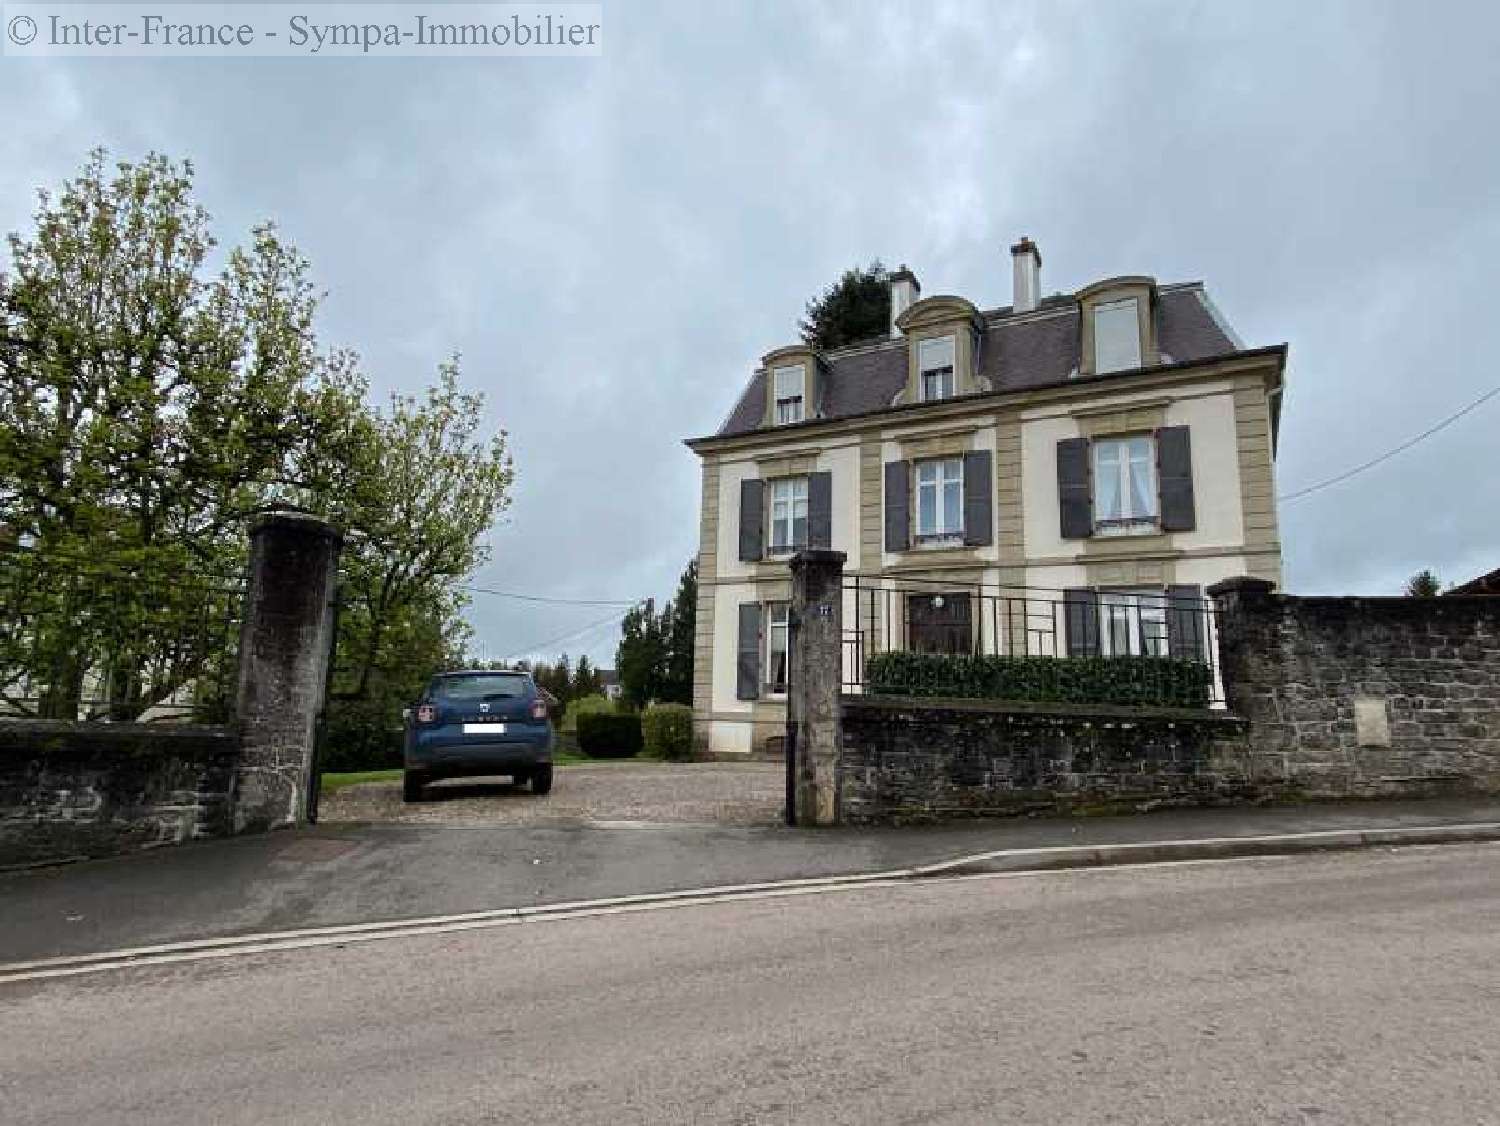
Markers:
{"x": 72, "y": 790}
{"x": 906, "y": 759}
{"x": 1364, "y": 697}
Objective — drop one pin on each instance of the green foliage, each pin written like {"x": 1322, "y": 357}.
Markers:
{"x": 587, "y": 705}
{"x": 362, "y": 735}
{"x": 149, "y": 407}
{"x": 609, "y": 734}
{"x": 857, "y": 307}
{"x": 681, "y": 617}
{"x": 667, "y": 731}
{"x": 654, "y": 659}
{"x": 1148, "y": 681}
{"x": 1424, "y": 584}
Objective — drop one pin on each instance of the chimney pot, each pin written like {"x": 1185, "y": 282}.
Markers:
{"x": 905, "y": 290}
{"x": 1026, "y": 275}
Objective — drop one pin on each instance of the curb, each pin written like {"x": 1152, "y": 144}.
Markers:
{"x": 1206, "y": 848}
{"x": 1001, "y": 861}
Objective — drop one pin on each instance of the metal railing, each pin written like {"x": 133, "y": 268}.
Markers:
{"x": 920, "y": 615}
{"x": 110, "y": 642}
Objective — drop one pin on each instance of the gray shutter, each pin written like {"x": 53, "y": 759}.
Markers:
{"x": 1081, "y": 618}
{"x": 1187, "y": 627}
{"x": 897, "y": 505}
{"x": 979, "y": 502}
{"x": 820, "y": 510}
{"x": 1174, "y": 473}
{"x": 747, "y": 658}
{"x": 1075, "y": 501}
{"x": 752, "y": 520}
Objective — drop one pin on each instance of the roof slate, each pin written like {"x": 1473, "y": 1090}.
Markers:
{"x": 1016, "y": 353}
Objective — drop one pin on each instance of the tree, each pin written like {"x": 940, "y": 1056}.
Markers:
{"x": 640, "y": 658}
{"x": 147, "y": 409}
{"x": 856, "y": 307}
{"x": 585, "y": 679}
{"x": 681, "y": 625}
{"x": 654, "y": 660}
{"x": 1424, "y": 584}
{"x": 426, "y": 481}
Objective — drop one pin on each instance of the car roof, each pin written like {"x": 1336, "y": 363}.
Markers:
{"x": 482, "y": 672}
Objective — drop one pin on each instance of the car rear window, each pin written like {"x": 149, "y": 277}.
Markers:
{"x": 481, "y": 686}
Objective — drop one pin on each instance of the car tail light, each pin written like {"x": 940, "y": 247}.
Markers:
{"x": 539, "y": 709}
{"x": 426, "y": 714}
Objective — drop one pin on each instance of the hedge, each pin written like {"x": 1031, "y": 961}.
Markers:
{"x": 668, "y": 731}
{"x": 361, "y": 735}
{"x": 609, "y": 735}
{"x": 1150, "y": 681}
{"x": 583, "y": 705}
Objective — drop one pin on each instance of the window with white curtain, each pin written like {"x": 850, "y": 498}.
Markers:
{"x": 935, "y": 367}
{"x": 791, "y": 387}
{"x": 1125, "y": 496}
{"x": 940, "y": 499}
{"x": 788, "y": 514}
{"x": 776, "y": 645}
{"x": 1117, "y": 336}
{"x": 1132, "y": 623}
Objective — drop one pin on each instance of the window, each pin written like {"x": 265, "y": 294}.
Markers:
{"x": 788, "y": 514}
{"x": 940, "y": 499}
{"x": 939, "y": 623}
{"x": 790, "y": 386}
{"x": 935, "y": 368}
{"x": 777, "y": 614}
{"x": 1132, "y": 623}
{"x": 1117, "y": 336}
{"x": 1125, "y": 485}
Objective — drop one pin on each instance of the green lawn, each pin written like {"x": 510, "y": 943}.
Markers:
{"x": 355, "y": 777}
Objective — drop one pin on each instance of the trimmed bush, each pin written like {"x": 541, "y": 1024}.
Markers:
{"x": 667, "y": 730}
{"x": 361, "y": 735}
{"x": 1143, "y": 681}
{"x": 608, "y": 735}
{"x": 585, "y": 705}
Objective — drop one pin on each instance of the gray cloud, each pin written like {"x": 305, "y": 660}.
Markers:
{"x": 612, "y": 243}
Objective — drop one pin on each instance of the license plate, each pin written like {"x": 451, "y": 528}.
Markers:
{"x": 484, "y": 729}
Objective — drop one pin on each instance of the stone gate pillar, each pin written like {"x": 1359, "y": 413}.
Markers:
{"x": 285, "y": 646}
{"x": 816, "y": 676}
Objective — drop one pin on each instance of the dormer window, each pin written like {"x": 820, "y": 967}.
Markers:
{"x": 935, "y": 361}
{"x": 791, "y": 388}
{"x": 1117, "y": 336}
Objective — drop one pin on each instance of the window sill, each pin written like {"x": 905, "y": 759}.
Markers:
{"x": 939, "y": 543}
{"x": 1117, "y": 531}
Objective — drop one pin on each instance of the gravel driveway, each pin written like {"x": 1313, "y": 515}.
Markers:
{"x": 732, "y": 793}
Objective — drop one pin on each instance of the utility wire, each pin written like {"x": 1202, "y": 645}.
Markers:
{"x": 541, "y": 646}
{"x": 1406, "y": 445}
{"x": 553, "y": 601}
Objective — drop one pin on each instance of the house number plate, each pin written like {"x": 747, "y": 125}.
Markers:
{"x": 825, "y": 611}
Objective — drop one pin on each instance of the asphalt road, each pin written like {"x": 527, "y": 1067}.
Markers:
{"x": 1349, "y": 988}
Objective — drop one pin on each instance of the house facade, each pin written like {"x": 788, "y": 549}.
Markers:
{"x": 1100, "y": 455}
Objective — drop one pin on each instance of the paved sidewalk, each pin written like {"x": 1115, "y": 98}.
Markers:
{"x": 352, "y": 873}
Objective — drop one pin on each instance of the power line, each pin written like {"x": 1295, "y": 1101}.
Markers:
{"x": 552, "y": 601}
{"x": 543, "y": 645}
{"x": 1406, "y": 445}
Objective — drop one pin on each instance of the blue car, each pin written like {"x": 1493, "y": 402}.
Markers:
{"x": 471, "y": 723}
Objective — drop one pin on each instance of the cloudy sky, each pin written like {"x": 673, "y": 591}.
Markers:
{"x": 612, "y": 242}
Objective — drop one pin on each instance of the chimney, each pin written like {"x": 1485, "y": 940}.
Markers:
{"x": 1026, "y": 265}
{"x": 905, "y": 289}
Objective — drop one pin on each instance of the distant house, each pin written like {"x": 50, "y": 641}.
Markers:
{"x": 1484, "y": 584}
{"x": 609, "y": 684}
